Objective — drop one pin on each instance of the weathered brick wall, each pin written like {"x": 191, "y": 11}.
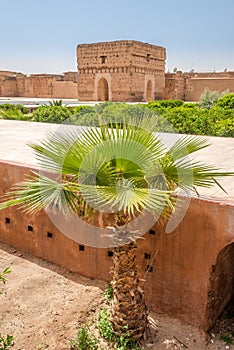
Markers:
{"x": 127, "y": 67}
{"x": 189, "y": 86}
{"x": 41, "y": 86}
{"x": 170, "y": 83}
{"x": 8, "y": 86}
{"x": 197, "y": 85}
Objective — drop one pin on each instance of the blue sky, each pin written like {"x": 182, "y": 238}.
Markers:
{"x": 40, "y": 36}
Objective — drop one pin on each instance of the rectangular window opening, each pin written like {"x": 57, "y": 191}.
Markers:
{"x": 152, "y": 232}
{"x": 49, "y": 234}
{"x": 81, "y": 248}
{"x": 147, "y": 256}
{"x": 30, "y": 228}
{"x": 110, "y": 253}
{"x": 7, "y": 220}
{"x": 103, "y": 59}
{"x": 149, "y": 268}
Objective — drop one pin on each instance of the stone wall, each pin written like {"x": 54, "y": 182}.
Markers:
{"x": 123, "y": 70}
{"x": 189, "y": 86}
{"x": 38, "y": 85}
{"x": 179, "y": 281}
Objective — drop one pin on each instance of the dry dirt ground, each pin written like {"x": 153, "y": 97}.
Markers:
{"x": 43, "y": 305}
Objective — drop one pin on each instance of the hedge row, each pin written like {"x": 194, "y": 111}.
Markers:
{"x": 217, "y": 119}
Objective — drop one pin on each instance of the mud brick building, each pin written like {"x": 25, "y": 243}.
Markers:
{"x": 123, "y": 70}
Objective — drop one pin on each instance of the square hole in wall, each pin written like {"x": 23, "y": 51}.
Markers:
{"x": 110, "y": 253}
{"x": 149, "y": 268}
{"x": 49, "y": 234}
{"x": 30, "y": 228}
{"x": 7, "y": 220}
{"x": 152, "y": 232}
{"x": 81, "y": 248}
{"x": 147, "y": 256}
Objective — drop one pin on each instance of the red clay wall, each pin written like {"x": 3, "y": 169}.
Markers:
{"x": 197, "y": 85}
{"x": 189, "y": 86}
{"x": 126, "y": 65}
{"x": 38, "y": 86}
{"x": 180, "y": 278}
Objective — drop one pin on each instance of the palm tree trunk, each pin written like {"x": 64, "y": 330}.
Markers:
{"x": 128, "y": 309}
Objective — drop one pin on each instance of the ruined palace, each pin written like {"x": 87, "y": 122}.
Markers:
{"x": 123, "y": 70}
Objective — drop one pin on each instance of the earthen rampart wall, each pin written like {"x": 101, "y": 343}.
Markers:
{"x": 183, "y": 278}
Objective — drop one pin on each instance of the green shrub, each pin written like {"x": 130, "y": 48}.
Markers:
{"x": 18, "y": 107}
{"x": 3, "y": 274}
{"x": 104, "y": 326}
{"x": 51, "y": 114}
{"x": 190, "y": 105}
{"x": 108, "y": 292}
{"x": 6, "y": 342}
{"x": 83, "y": 109}
{"x": 226, "y": 102}
{"x": 85, "y": 115}
{"x": 84, "y": 341}
{"x": 191, "y": 119}
{"x": 125, "y": 342}
{"x": 122, "y": 342}
{"x": 118, "y": 112}
{"x": 88, "y": 119}
{"x": 108, "y": 113}
{"x": 56, "y": 103}
{"x": 208, "y": 98}
{"x": 226, "y": 338}
{"x": 13, "y": 114}
{"x": 165, "y": 104}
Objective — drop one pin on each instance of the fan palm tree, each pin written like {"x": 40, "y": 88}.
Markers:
{"x": 123, "y": 169}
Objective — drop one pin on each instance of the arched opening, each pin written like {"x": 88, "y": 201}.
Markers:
{"x": 221, "y": 291}
{"x": 103, "y": 90}
{"x": 149, "y": 91}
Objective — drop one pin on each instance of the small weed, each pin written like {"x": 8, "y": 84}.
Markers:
{"x": 3, "y": 275}
{"x": 56, "y": 103}
{"x": 226, "y": 338}
{"x": 104, "y": 326}
{"x": 125, "y": 342}
{"x": 6, "y": 342}
{"x": 84, "y": 340}
{"x": 108, "y": 293}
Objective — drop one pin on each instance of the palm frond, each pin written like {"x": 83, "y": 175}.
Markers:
{"x": 113, "y": 168}
{"x": 39, "y": 192}
{"x": 187, "y": 145}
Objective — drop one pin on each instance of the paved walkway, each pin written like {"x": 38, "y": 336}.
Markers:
{"x": 16, "y": 135}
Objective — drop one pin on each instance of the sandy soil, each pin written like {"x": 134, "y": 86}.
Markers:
{"x": 43, "y": 305}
